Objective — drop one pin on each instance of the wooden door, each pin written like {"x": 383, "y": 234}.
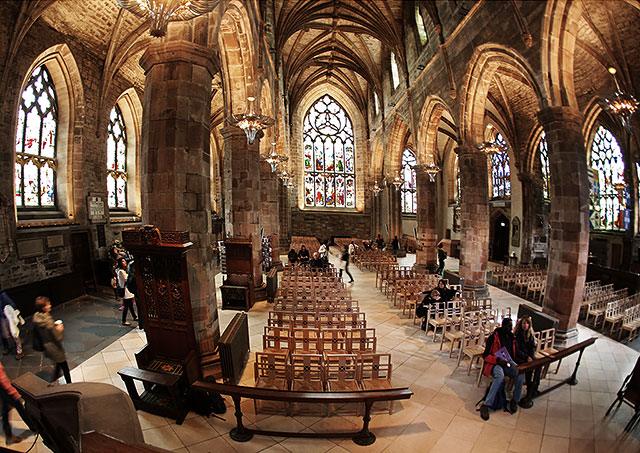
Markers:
{"x": 81, "y": 257}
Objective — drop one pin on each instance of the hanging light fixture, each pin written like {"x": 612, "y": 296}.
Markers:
{"x": 375, "y": 188}
{"x": 251, "y": 122}
{"x": 397, "y": 181}
{"x": 161, "y": 12}
{"x": 432, "y": 170}
{"x": 274, "y": 158}
{"x": 492, "y": 147}
{"x": 622, "y": 104}
{"x": 284, "y": 175}
{"x": 290, "y": 185}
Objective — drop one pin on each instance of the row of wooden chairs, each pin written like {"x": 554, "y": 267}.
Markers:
{"x": 598, "y": 307}
{"x": 314, "y": 306}
{"x": 593, "y": 294}
{"x": 320, "y": 320}
{"x": 369, "y": 259}
{"x": 318, "y": 341}
{"x": 499, "y": 274}
{"x": 630, "y": 323}
{"x": 311, "y": 243}
{"x": 322, "y": 372}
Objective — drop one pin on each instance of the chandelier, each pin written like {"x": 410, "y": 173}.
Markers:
{"x": 161, "y": 12}
{"x": 290, "y": 185}
{"x": 375, "y": 188}
{"x": 284, "y": 175}
{"x": 432, "y": 170}
{"x": 492, "y": 147}
{"x": 274, "y": 158}
{"x": 621, "y": 104}
{"x": 251, "y": 122}
{"x": 397, "y": 181}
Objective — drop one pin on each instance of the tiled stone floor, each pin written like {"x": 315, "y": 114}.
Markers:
{"x": 440, "y": 417}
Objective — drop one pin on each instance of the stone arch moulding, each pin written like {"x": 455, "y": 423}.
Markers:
{"x": 483, "y": 64}
{"x": 131, "y": 109}
{"x": 64, "y": 71}
{"x": 428, "y": 129}
{"x": 397, "y": 140}
{"x": 266, "y": 108}
{"x": 532, "y": 149}
{"x": 237, "y": 57}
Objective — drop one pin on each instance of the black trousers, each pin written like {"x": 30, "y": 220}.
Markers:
{"x": 346, "y": 269}
{"x": 128, "y": 306}
{"x": 7, "y": 403}
{"x": 64, "y": 367}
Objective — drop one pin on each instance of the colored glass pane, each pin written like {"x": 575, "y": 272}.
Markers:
{"x": 500, "y": 171}
{"x": 116, "y": 160}
{"x": 328, "y": 156}
{"x": 544, "y": 166}
{"x": 408, "y": 189}
{"x": 35, "y": 144}
{"x": 608, "y": 166}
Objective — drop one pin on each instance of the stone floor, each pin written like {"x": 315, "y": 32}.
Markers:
{"x": 439, "y": 417}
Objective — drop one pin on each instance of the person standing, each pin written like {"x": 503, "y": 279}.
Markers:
{"x": 126, "y": 294}
{"x": 395, "y": 245}
{"x": 344, "y": 263}
{"x": 10, "y": 397}
{"x": 380, "y": 242}
{"x": 442, "y": 255}
{"x": 323, "y": 252}
{"x": 51, "y": 334}
{"x": 11, "y": 321}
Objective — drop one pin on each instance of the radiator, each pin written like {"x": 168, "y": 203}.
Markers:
{"x": 234, "y": 348}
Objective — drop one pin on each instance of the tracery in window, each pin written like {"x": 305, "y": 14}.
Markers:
{"x": 329, "y": 156}
{"x": 422, "y": 31}
{"x": 395, "y": 76}
{"x": 500, "y": 171}
{"x": 458, "y": 183}
{"x": 116, "y": 160}
{"x": 408, "y": 189}
{"x": 610, "y": 191}
{"x": 544, "y": 166}
{"x": 37, "y": 128}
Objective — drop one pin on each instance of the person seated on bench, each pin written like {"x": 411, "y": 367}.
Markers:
{"x": 316, "y": 261}
{"x": 498, "y": 362}
{"x": 526, "y": 348}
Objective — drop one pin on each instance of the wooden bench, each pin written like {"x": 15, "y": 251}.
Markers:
{"x": 162, "y": 395}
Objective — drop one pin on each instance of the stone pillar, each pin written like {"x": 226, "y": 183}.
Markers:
{"x": 242, "y": 205}
{"x": 474, "y": 218}
{"x": 426, "y": 219}
{"x": 270, "y": 199}
{"x": 176, "y": 165}
{"x": 395, "y": 214}
{"x": 284, "y": 218}
{"x": 569, "y": 235}
{"x": 528, "y": 217}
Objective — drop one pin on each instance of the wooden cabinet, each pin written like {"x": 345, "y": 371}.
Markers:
{"x": 238, "y": 289}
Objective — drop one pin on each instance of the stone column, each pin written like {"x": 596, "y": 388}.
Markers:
{"x": 569, "y": 235}
{"x": 270, "y": 199}
{"x": 176, "y": 165}
{"x": 242, "y": 205}
{"x": 284, "y": 218}
{"x": 426, "y": 219}
{"x": 395, "y": 214}
{"x": 474, "y": 218}
{"x": 528, "y": 217}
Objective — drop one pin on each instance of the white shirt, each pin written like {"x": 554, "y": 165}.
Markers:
{"x": 122, "y": 283}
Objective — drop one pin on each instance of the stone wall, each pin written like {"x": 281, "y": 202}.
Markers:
{"x": 324, "y": 225}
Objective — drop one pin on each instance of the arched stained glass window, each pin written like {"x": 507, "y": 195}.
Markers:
{"x": 35, "y": 167}
{"x": 500, "y": 172}
{"x": 116, "y": 160}
{"x": 376, "y": 102}
{"x": 422, "y": 31}
{"x": 458, "y": 183}
{"x": 544, "y": 166}
{"x": 409, "y": 198}
{"x": 395, "y": 75}
{"x": 610, "y": 188}
{"x": 329, "y": 156}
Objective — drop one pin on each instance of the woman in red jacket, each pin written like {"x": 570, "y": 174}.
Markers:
{"x": 500, "y": 365}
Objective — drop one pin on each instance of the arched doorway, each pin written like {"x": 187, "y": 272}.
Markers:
{"x": 500, "y": 242}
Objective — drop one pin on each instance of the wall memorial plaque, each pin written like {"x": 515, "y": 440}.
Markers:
{"x": 55, "y": 241}
{"x": 28, "y": 248}
{"x": 95, "y": 208}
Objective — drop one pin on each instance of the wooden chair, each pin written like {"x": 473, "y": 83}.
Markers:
{"x": 333, "y": 341}
{"x": 453, "y": 331}
{"x": 305, "y": 341}
{"x": 307, "y": 375}
{"x": 276, "y": 339}
{"x": 629, "y": 393}
{"x": 544, "y": 347}
{"x": 436, "y": 317}
{"x": 361, "y": 341}
{"x": 341, "y": 371}
{"x": 375, "y": 373}
{"x": 271, "y": 371}
{"x": 472, "y": 344}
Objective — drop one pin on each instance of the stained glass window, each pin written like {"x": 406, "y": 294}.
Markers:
{"x": 544, "y": 165}
{"x": 422, "y": 31}
{"x": 395, "y": 76}
{"x": 500, "y": 172}
{"x": 329, "y": 156}
{"x": 116, "y": 160}
{"x": 35, "y": 167}
{"x": 376, "y": 102}
{"x": 458, "y": 183}
{"x": 409, "y": 198}
{"x": 610, "y": 191}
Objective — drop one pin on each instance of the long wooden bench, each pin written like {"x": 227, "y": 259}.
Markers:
{"x": 162, "y": 392}
{"x": 363, "y": 437}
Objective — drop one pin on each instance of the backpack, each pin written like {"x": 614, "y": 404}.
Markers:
{"x": 38, "y": 345}
{"x": 500, "y": 401}
{"x": 131, "y": 283}
{"x": 205, "y": 403}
